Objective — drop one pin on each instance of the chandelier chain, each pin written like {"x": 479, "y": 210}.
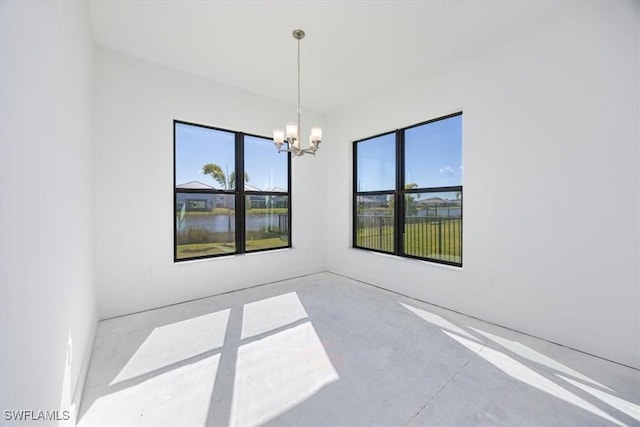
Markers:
{"x": 299, "y": 108}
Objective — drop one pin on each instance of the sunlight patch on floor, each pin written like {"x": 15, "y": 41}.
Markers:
{"x": 523, "y": 373}
{"x": 276, "y": 373}
{"x": 530, "y": 354}
{"x": 174, "y": 343}
{"x": 631, "y": 409}
{"x": 271, "y": 313}
{"x": 439, "y": 321}
{"x": 258, "y": 359}
{"x": 178, "y": 397}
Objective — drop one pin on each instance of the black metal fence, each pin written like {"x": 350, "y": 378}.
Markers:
{"x": 375, "y": 232}
{"x": 434, "y": 237}
{"x": 431, "y": 237}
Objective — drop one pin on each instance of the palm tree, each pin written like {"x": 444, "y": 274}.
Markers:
{"x": 410, "y": 200}
{"x": 216, "y": 173}
{"x": 226, "y": 180}
{"x": 232, "y": 180}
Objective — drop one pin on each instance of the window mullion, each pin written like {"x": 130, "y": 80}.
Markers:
{"x": 399, "y": 194}
{"x": 239, "y": 195}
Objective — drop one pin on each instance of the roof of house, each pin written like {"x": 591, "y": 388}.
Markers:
{"x": 248, "y": 187}
{"x": 195, "y": 185}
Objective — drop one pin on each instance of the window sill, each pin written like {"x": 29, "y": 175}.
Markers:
{"x": 408, "y": 259}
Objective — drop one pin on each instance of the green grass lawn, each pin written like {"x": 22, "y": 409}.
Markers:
{"x": 265, "y": 211}
{"x": 203, "y": 249}
{"x": 214, "y": 211}
{"x": 232, "y": 212}
{"x": 273, "y": 242}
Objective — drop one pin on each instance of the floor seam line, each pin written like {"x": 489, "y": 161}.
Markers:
{"x": 445, "y": 385}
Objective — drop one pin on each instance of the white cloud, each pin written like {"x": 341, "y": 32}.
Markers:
{"x": 447, "y": 169}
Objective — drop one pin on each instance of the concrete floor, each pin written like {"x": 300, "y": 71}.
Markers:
{"x": 326, "y": 350}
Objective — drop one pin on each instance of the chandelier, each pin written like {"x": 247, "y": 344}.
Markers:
{"x": 292, "y": 134}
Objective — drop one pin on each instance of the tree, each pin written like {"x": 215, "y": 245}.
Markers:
{"x": 410, "y": 185}
{"x": 226, "y": 180}
{"x": 410, "y": 205}
{"x": 216, "y": 173}
{"x": 410, "y": 199}
{"x": 232, "y": 180}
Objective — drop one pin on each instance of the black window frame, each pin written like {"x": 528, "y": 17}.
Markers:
{"x": 399, "y": 193}
{"x": 238, "y": 192}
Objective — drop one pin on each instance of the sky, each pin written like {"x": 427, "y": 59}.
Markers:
{"x": 433, "y": 157}
{"x": 197, "y": 146}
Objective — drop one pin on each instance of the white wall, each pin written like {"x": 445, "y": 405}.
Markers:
{"x": 551, "y": 191}
{"x": 47, "y": 304}
{"x": 136, "y": 103}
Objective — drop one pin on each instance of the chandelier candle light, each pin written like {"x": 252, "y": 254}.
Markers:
{"x": 292, "y": 135}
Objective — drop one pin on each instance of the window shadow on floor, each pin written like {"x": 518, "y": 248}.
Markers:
{"x": 326, "y": 350}
{"x": 189, "y": 365}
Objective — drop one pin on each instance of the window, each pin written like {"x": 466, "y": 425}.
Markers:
{"x": 266, "y": 195}
{"x": 231, "y": 193}
{"x": 376, "y": 183}
{"x": 408, "y": 191}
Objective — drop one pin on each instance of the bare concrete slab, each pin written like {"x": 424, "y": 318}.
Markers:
{"x": 327, "y": 350}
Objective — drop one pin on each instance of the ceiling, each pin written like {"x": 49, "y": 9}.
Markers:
{"x": 352, "y": 48}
